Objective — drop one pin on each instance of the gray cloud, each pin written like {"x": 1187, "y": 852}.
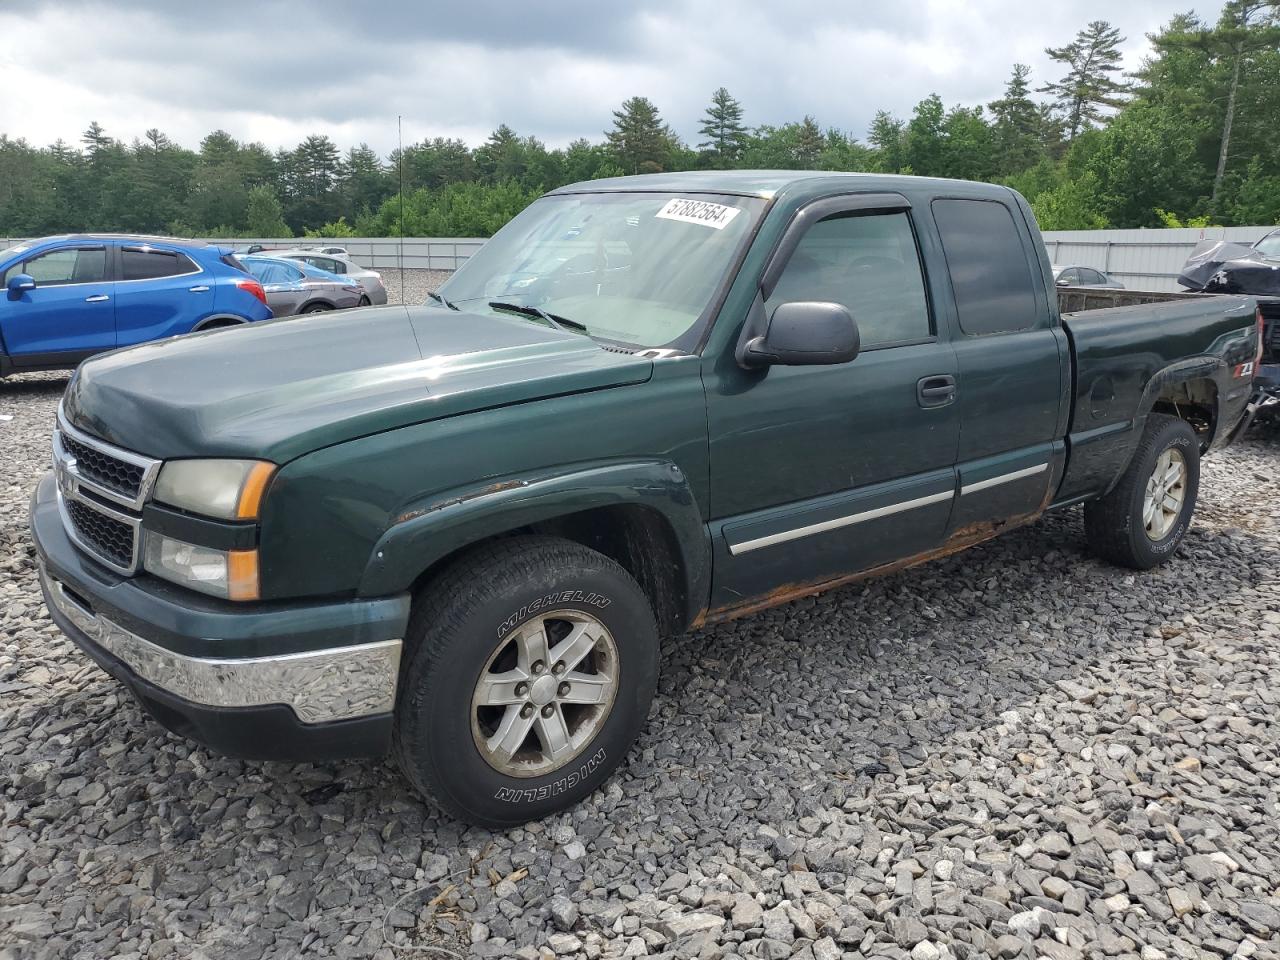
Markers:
{"x": 275, "y": 71}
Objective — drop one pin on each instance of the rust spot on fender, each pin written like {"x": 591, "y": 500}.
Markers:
{"x": 454, "y": 501}
{"x": 960, "y": 539}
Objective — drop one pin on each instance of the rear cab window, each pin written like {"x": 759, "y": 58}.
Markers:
{"x": 990, "y": 274}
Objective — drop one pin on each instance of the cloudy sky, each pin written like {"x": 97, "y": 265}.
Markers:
{"x": 276, "y": 71}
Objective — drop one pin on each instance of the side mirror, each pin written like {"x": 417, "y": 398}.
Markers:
{"x": 805, "y": 333}
{"x": 1063, "y": 282}
{"x": 19, "y": 284}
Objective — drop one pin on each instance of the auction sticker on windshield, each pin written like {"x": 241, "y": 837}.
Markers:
{"x": 715, "y": 215}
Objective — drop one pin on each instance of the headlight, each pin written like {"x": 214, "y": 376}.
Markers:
{"x": 230, "y": 574}
{"x": 226, "y": 489}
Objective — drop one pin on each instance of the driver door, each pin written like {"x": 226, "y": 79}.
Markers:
{"x": 818, "y": 472}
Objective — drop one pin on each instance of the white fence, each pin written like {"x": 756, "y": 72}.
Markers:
{"x": 413, "y": 253}
{"x": 1140, "y": 259}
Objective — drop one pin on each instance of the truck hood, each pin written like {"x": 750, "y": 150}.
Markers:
{"x": 280, "y": 389}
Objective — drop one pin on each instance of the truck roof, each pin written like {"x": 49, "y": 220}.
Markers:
{"x": 767, "y": 183}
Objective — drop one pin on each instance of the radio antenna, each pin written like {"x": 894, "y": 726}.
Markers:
{"x": 400, "y": 165}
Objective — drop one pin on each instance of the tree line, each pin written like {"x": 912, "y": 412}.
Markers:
{"x": 1190, "y": 138}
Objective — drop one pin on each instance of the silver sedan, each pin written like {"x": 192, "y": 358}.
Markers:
{"x": 1074, "y": 276}
{"x": 343, "y": 266}
{"x": 293, "y": 287}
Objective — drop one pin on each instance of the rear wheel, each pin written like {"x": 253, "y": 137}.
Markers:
{"x": 532, "y": 666}
{"x": 315, "y": 308}
{"x": 1141, "y": 522}
{"x": 220, "y": 325}
{"x": 364, "y": 302}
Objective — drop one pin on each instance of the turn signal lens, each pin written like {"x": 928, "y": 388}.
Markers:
{"x": 242, "y": 575}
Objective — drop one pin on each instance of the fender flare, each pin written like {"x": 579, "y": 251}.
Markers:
{"x": 1182, "y": 371}
{"x": 436, "y": 527}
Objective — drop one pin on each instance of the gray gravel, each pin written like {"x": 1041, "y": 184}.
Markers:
{"x": 417, "y": 284}
{"x": 1014, "y": 752}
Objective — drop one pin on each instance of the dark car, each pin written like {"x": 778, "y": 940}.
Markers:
{"x": 1269, "y": 246}
{"x": 69, "y": 297}
{"x": 457, "y": 532}
{"x": 294, "y": 287}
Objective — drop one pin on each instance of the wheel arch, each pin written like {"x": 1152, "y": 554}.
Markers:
{"x": 1191, "y": 391}
{"x": 219, "y": 320}
{"x": 642, "y": 515}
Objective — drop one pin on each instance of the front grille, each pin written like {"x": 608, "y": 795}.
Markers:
{"x": 105, "y": 535}
{"x": 102, "y": 468}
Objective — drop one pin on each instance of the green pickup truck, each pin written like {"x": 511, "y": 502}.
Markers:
{"x": 456, "y": 532}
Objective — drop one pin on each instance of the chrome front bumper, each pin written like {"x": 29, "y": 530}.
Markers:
{"x": 338, "y": 683}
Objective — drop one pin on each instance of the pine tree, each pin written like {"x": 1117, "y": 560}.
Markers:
{"x": 1018, "y": 140}
{"x": 722, "y": 126}
{"x": 810, "y": 142}
{"x": 158, "y": 140}
{"x": 1245, "y": 29}
{"x": 1092, "y": 59}
{"x": 886, "y": 136}
{"x": 95, "y": 139}
{"x": 639, "y": 140}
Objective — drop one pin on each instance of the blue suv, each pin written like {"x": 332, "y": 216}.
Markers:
{"x": 67, "y": 298}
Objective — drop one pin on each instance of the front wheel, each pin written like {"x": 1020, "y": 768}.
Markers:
{"x": 1142, "y": 520}
{"x": 531, "y": 669}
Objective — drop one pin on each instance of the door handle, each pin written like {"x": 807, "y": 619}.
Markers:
{"x": 936, "y": 391}
{"x": 97, "y": 298}
{"x": 201, "y": 288}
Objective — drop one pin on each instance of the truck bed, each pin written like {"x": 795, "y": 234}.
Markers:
{"x": 1122, "y": 357}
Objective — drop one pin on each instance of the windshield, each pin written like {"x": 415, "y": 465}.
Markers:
{"x": 634, "y": 268}
{"x": 1269, "y": 246}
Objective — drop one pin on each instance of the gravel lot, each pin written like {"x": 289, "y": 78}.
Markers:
{"x": 1014, "y": 752}
{"x": 417, "y": 283}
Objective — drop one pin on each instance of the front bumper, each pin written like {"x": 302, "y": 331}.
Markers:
{"x": 265, "y": 681}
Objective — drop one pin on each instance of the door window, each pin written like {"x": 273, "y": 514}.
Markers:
{"x": 138, "y": 264}
{"x": 1069, "y": 277}
{"x": 1091, "y": 277}
{"x": 63, "y": 267}
{"x": 868, "y": 263}
{"x": 990, "y": 275}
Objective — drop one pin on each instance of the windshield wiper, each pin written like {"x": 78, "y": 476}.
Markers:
{"x": 552, "y": 319}
{"x": 441, "y": 300}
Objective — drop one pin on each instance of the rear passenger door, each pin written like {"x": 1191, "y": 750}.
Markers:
{"x": 161, "y": 293}
{"x": 1012, "y": 359}
{"x": 283, "y": 285}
